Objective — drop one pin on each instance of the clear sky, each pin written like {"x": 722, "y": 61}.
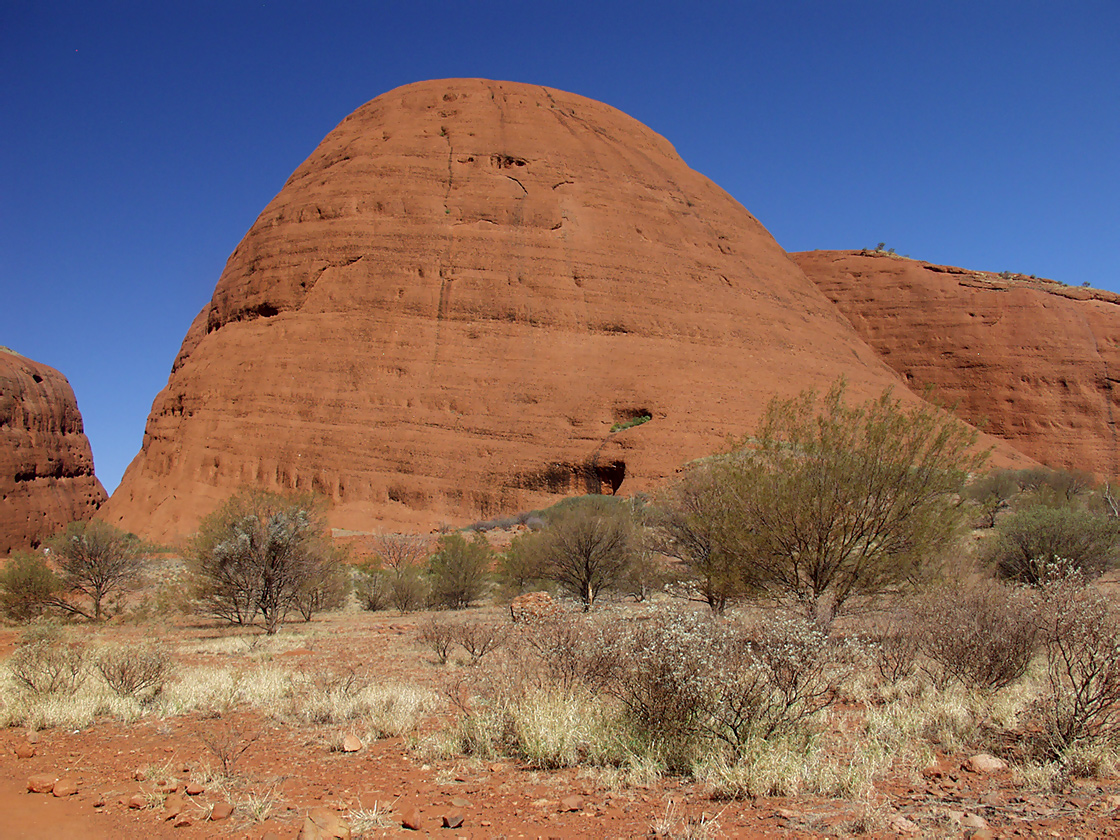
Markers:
{"x": 139, "y": 140}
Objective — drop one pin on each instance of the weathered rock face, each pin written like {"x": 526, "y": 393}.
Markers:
{"x": 46, "y": 467}
{"x": 1038, "y": 360}
{"x": 453, "y": 300}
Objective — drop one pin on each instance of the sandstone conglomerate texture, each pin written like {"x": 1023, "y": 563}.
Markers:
{"x": 46, "y": 466}
{"x": 455, "y": 298}
{"x": 1037, "y": 360}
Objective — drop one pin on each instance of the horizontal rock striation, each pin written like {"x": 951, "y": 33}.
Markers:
{"x": 46, "y": 466}
{"x": 1034, "y": 362}
{"x": 453, "y": 300}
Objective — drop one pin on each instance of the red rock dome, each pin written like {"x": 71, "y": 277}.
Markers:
{"x": 46, "y": 467}
{"x": 1033, "y": 361}
{"x": 455, "y": 299}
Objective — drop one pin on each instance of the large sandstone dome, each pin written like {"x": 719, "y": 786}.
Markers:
{"x": 1033, "y": 361}
{"x": 46, "y": 467}
{"x": 453, "y": 300}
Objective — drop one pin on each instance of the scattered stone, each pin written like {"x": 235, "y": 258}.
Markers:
{"x": 100, "y": 802}
{"x": 172, "y": 806}
{"x": 985, "y": 763}
{"x": 33, "y": 737}
{"x": 533, "y": 608}
{"x": 25, "y": 750}
{"x": 220, "y": 811}
{"x": 351, "y": 743}
{"x": 453, "y": 819}
{"x": 900, "y": 825}
{"x": 140, "y": 776}
{"x": 138, "y": 801}
{"x": 412, "y": 820}
{"x": 194, "y": 789}
{"x": 571, "y": 803}
{"x": 324, "y": 824}
{"x": 459, "y": 802}
{"x": 1112, "y": 802}
{"x": 41, "y": 783}
{"x": 65, "y": 787}
{"x": 974, "y": 821}
{"x": 183, "y": 822}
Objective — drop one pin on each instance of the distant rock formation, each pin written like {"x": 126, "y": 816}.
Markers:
{"x": 1037, "y": 360}
{"x": 453, "y": 301}
{"x": 46, "y": 467}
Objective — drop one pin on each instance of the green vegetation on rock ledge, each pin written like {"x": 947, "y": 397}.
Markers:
{"x": 631, "y": 423}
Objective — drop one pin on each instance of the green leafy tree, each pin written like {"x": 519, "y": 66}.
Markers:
{"x": 258, "y": 554}
{"x": 835, "y": 501}
{"x": 521, "y": 567}
{"x": 28, "y": 586}
{"x": 1035, "y": 543}
{"x": 96, "y": 562}
{"x": 460, "y": 570}
{"x": 588, "y": 547}
{"x": 694, "y": 522}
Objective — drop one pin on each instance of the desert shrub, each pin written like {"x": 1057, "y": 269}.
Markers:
{"x": 694, "y": 522}
{"x": 983, "y": 637}
{"x": 327, "y": 590}
{"x": 570, "y": 651}
{"x": 770, "y": 680}
{"x": 897, "y": 645}
{"x": 992, "y": 493}
{"x": 371, "y": 588}
{"x": 49, "y": 665}
{"x": 687, "y": 681}
{"x": 521, "y": 567}
{"x": 133, "y": 671}
{"x": 832, "y": 501}
{"x": 408, "y": 588}
{"x": 257, "y": 555}
{"x": 438, "y": 634}
{"x": 1031, "y": 543}
{"x": 588, "y": 546}
{"x": 96, "y": 562}
{"x": 392, "y": 551}
{"x": 478, "y": 638}
{"x": 1081, "y": 629}
{"x": 27, "y": 587}
{"x": 459, "y": 570}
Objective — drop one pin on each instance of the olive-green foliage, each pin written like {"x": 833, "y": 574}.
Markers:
{"x": 326, "y": 591}
{"x": 588, "y": 546}
{"x": 460, "y": 570}
{"x": 257, "y": 554}
{"x": 27, "y": 586}
{"x": 521, "y": 567}
{"x": 1032, "y": 544}
{"x": 96, "y": 562}
{"x": 694, "y": 522}
{"x": 832, "y": 501}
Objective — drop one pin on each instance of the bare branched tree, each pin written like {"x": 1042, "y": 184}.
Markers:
{"x": 258, "y": 554}
{"x": 96, "y": 561}
{"x": 589, "y": 547}
{"x": 395, "y": 551}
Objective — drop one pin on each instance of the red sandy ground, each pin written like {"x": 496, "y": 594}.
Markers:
{"x": 496, "y": 799}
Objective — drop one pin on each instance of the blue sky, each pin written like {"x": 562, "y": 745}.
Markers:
{"x": 139, "y": 140}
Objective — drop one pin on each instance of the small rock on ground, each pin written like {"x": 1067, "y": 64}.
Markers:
{"x": 41, "y": 783}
